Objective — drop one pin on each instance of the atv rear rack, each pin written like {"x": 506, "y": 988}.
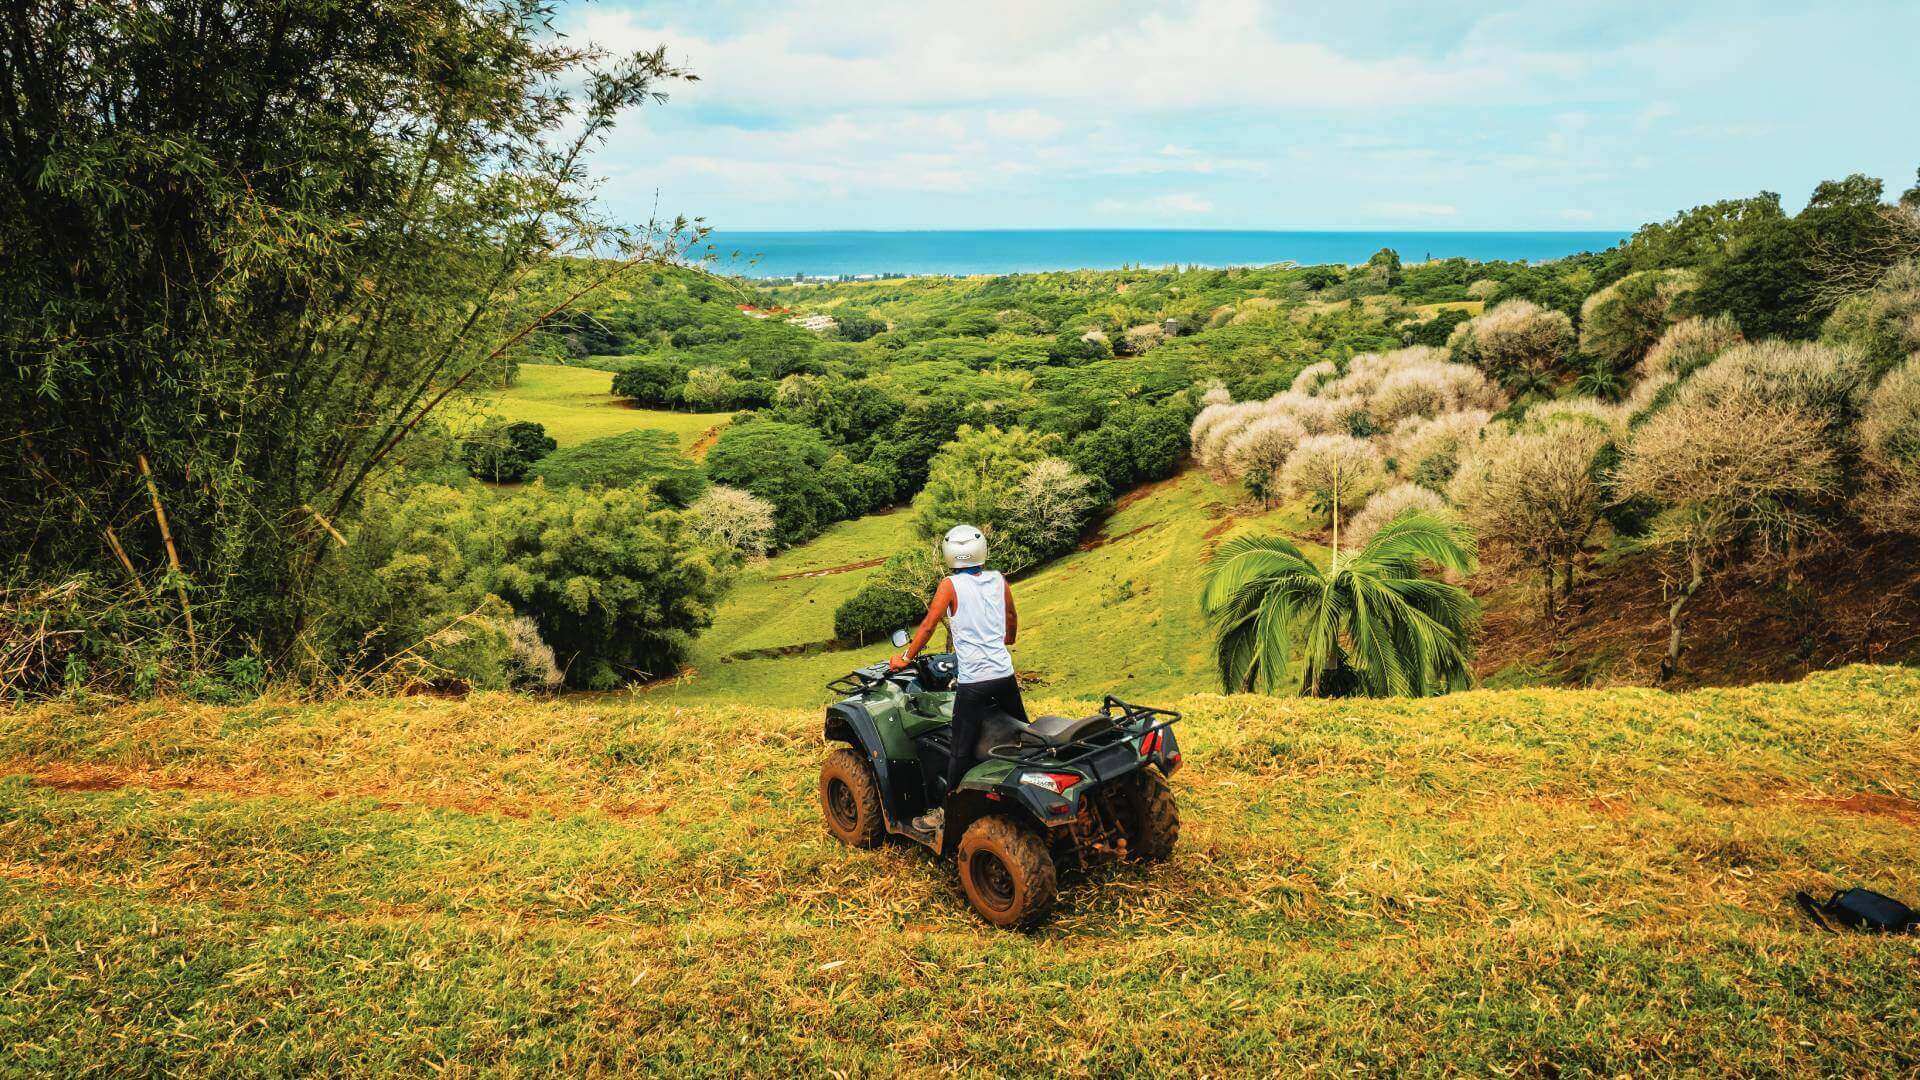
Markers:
{"x": 1095, "y": 747}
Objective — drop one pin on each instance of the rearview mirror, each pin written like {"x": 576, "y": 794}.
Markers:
{"x": 900, "y": 639}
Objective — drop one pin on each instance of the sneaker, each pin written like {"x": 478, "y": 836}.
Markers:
{"x": 928, "y": 823}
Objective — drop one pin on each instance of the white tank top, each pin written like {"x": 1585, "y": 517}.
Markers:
{"x": 979, "y": 626}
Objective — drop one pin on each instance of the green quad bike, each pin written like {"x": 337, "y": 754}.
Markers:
{"x": 1056, "y": 793}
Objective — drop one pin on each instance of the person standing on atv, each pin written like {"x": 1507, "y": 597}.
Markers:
{"x": 978, "y": 606}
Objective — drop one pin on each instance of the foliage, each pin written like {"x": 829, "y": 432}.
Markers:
{"x": 652, "y": 381}
{"x": 1621, "y": 322}
{"x": 783, "y": 464}
{"x": 1532, "y": 494}
{"x": 1689, "y": 345}
{"x": 1517, "y": 343}
{"x": 733, "y": 522}
{"x": 875, "y": 611}
{"x": 642, "y": 456}
{"x": 257, "y": 248}
{"x": 1133, "y": 444}
{"x": 1389, "y": 505}
{"x": 1890, "y": 439}
{"x": 1030, "y": 505}
{"x": 1883, "y": 324}
{"x": 617, "y": 584}
{"x": 502, "y": 453}
{"x": 1367, "y": 623}
{"x": 1333, "y": 473}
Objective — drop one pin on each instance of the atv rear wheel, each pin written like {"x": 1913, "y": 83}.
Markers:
{"x": 1151, "y": 819}
{"x": 850, "y": 800}
{"x": 1006, "y": 872}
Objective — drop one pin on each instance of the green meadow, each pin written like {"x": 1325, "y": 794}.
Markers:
{"x": 576, "y": 404}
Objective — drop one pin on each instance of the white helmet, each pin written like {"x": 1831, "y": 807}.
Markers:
{"x": 964, "y": 546}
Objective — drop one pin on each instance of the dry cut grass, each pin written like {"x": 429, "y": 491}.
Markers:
{"x": 1528, "y": 881}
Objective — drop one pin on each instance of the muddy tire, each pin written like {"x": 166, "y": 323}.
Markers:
{"x": 1006, "y": 873}
{"x": 1152, "y": 820}
{"x": 850, "y": 800}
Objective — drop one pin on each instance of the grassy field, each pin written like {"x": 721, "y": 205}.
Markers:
{"x": 1535, "y": 882}
{"x": 576, "y": 404}
{"x": 1122, "y": 617}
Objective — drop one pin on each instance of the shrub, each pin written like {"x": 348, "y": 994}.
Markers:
{"x": 782, "y": 464}
{"x": 733, "y": 522}
{"x": 503, "y": 453}
{"x": 1621, "y": 322}
{"x": 1532, "y": 494}
{"x": 1427, "y": 451}
{"x": 1825, "y": 381}
{"x": 1319, "y": 415}
{"x": 653, "y": 382}
{"x": 875, "y": 611}
{"x": 1734, "y": 466}
{"x": 1312, "y": 377}
{"x": 1890, "y": 444}
{"x": 530, "y": 664}
{"x": 1332, "y": 472}
{"x": 643, "y": 456}
{"x": 1484, "y": 289}
{"x": 616, "y": 583}
{"x": 1050, "y": 508}
{"x": 1390, "y": 504}
{"x": 1517, "y": 343}
{"x": 1215, "y": 427}
{"x": 1884, "y": 323}
{"x": 1429, "y": 388}
{"x": 1689, "y": 345}
{"x": 1256, "y": 452}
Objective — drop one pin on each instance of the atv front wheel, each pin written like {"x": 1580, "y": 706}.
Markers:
{"x": 1006, "y": 872}
{"x": 1151, "y": 819}
{"x": 850, "y": 800}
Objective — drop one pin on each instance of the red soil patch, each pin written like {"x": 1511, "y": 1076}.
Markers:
{"x": 1872, "y": 805}
{"x": 698, "y": 451}
{"x": 831, "y": 570}
{"x": 1100, "y": 540}
{"x": 1857, "y": 601}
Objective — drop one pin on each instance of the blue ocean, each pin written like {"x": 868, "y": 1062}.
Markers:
{"x": 933, "y": 251}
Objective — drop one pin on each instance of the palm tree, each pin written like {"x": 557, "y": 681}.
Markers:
{"x": 1369, "y": 621}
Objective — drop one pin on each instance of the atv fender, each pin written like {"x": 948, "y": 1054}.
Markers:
{"x": 850, "y": 723}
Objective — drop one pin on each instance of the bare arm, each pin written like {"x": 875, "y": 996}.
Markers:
{"x": 1013, "y": 616}
{"x": 937, "y": 610}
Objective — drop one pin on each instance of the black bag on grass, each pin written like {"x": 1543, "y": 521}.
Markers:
{"x": 1861, "y": 909}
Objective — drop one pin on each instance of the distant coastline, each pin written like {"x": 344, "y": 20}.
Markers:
{"x": 891, "y": 253}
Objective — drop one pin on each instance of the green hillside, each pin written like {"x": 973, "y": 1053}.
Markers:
{"x": 1538, "y": 882}
{"x": 1119, "y": 616}
{"x": 576, "y": 404}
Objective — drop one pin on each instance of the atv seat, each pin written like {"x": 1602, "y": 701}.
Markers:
{"x": 1063, "y": 730}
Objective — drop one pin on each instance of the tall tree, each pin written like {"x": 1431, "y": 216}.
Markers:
{"x": 252, "y": 245}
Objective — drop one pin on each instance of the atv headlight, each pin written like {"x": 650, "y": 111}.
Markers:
{"x": 1056, "y": 782}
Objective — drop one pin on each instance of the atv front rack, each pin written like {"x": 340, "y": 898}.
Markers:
{"x": 1096, "y": 752}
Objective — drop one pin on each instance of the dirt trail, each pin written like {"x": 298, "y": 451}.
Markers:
{"x": 830, "y": 571}
{"x": 698, "y": 451}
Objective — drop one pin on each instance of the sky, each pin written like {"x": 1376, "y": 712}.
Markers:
{"x": 1242, "y": 114}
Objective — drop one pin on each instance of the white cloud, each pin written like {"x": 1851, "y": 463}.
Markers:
{"x": 1582, "y": 216}
{"x": 1026, "y": 125}
{"x": 1174, "y": 204}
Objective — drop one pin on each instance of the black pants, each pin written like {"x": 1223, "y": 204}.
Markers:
{"x": 973, "y": 702}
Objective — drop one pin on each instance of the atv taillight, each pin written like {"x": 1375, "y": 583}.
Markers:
{"x": 1056, "y": 782}
{"x": 1151, "y": 744}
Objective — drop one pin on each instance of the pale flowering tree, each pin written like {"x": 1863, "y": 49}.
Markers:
{"x": 1736, "y": 467}
{"x": 1518, "y": 343}
{"x": 1256, "y": 452}
{"x": 1690, "y": 345}
{"x": 732, "y": 521}
{"x": 1390, "y": 504}
{"x": 1334, "y": 473}
{"x": 1427, "y": 450}
{"x": 1051, "y": 505}
{"x": 1531, "y": 494}
{"x": 1890, "y": 446}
